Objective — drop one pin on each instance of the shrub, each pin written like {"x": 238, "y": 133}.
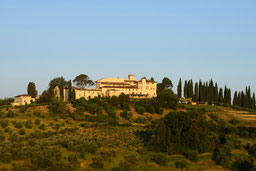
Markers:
{"x": 42, "y": 127}
{"x": 28, "y": 124}
{"x": 140, "y": 110}
{"x": 10, "y": 114}
{"x": 159, "y": 159}
{"x": 6, "y": 157}
{"x": 222, "y": 157}
{"x": 131, "y": 159}
{"x": 57, "y": 106}
{"x": 252, "y": 150}
{"x": 123, "y": 166}
{"x": 244, "y": 163}
{"x": 22, "y": 132}
{"x": 141, "y": 120}
{"x": 181, "y": 164}
{"x": 4, "y": 123}
{"x": 2, "y": 137}
{"x": 192, "y": 156}
{"x": 124, "y": 114}
{"x": 97, "y": 163}
{"x": 18, "y": 125}
{"x": 37, "y": 122}
{"x": 151, "y": 110}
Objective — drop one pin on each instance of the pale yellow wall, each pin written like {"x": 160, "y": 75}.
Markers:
{"x": 22, "y": 100}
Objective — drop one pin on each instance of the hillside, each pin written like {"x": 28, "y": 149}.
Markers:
{"x": 55, "y": 140}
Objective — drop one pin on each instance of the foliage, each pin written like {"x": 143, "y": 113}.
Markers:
{"x": 179, "y": 132}
{"x": 32, "y": 89}
{"x": 57, "y": 106}
{"x": 192, "y": 155}
{"x": 181, "y": 164}
{"x": 159, "y": 159}
{"x": 244, "y": 162}
{"x": 168, "y": 99}
{"x": 83, "y": 80}
{"x": 10, "y": 114}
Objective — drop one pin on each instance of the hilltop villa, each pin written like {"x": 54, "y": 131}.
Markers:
{"x": 114, "y": 87}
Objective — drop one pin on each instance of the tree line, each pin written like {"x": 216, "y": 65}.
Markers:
{"x": 203, "y": 92}
{"x": 209, "y": 92}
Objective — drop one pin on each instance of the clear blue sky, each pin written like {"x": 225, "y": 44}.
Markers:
{"x": 199, "y": 39}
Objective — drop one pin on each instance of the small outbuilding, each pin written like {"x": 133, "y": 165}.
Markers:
{"x": 22, "y": 100}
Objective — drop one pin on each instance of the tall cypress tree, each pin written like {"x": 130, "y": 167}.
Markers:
{"x": 69, "y": 91}
{"x": 200, "y": 91}
{"x": 229, "y": 96}
{"x": 253, "y": 101}
{"x": 243, "y": 99}
{"x": 216, "y": 93}
{"x": 235, "y": 100}
{"x": 191, "y": 89}
{"x": 206, "y": 92}
{"x": 221, "y": 96}
{"x": 62, "y": 88}
{"x": 239, "y": 99}
{"x": 210, "y": 92}
{"x": 185, "y": 89}
{"x": 196, "y": 92}
{"x": 249, "y": 98}
{"x": 179, "y": 88}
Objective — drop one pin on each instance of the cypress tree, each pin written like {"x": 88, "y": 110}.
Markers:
{"x": 216, "y": 93}
{"x": 225, "y": 95}
{"x": 210, "y": 92}
{"x": 69, "y": 91}
{"x": 249, "y": 98}
{"x": 196, "y": 92}
{"x": 253, "y": 101}
{"x": 62, "y": 88}
{"x": 179, "y": 88}
{"x": 239, "y": 99}
{"x": 235, "y": 100}
{"x": 73, "y": 95}
{"x": 200, "y": 91}
{"x": 190, "y": 89}
{"x": 206, "y": 92}
{"x": 229, "y": 96}
{"x": 243, "y": 99}
{"x": 221, "y": 96}
{"x": 185, "y": 89}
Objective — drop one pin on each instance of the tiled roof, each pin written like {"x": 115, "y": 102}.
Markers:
{"x": 22, "y": 95}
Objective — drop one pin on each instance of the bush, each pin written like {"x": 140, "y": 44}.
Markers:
{"x": 159, "y": 159}
{"x": 124, "y": 114}
{"x": 181, "y": 164}
{"x": 18, "y": 125}
{"x": 192, "y": 156}
{"x": 37, "y": 122}
{"x": 22, "y": 132}
{"x": 28, "y": 124}
{"x": 222, "y": 157}
{"x": 97, "y": 163}
{"x": 42, "y": 127}
{"x": 244, "y": 163}
{"x": 131, "y": 159}
{"x": 10, "y": 114}
{"x": 4, "y": 123}
{"x": 141, "y": 120}
{"x": 252, "y": 150}
{"x": 123, "y": 166}
{"x": 140, "y": 110}
{"x": 57, "y": 106}
{"x": 6, "y": 157}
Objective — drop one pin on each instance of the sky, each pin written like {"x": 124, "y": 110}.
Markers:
{"x": 199, "y": 39}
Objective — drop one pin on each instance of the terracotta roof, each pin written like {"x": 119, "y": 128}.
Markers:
{"x": 87, "y": 89}
{"x": 119, "y": 87}
{"x": 122, "y": 83}
{"x": 22, "y": 95}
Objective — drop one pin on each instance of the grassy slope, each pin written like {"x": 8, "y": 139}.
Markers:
{"x": 123, "y": 140}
